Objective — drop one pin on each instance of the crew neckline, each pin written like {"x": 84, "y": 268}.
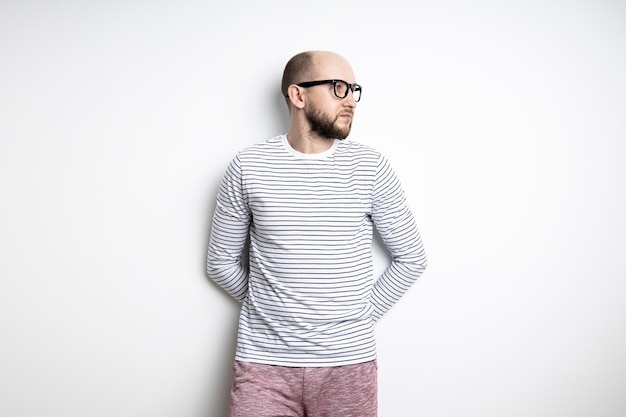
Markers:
{"x": 302, "y": 155}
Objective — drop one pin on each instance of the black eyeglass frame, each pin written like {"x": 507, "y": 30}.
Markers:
{"x": 351, "y": 87}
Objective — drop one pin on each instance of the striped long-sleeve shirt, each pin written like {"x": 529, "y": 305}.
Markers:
{"x": 308, "y": 291}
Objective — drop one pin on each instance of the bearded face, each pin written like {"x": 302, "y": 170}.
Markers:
{"x": 327, "y": 126}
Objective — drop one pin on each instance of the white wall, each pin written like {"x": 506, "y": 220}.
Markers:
{"x": 505, "y": 121}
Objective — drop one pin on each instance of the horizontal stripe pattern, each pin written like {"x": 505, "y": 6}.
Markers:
{"x": 308, "y": 292}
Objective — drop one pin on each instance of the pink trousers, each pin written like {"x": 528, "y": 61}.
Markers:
{"x": 278, "y": 391}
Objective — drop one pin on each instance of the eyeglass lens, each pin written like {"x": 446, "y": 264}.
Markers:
{"x": 342, "y": 88}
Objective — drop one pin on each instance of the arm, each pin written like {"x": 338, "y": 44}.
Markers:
{"x": 396, "y": 226}
{"x": 229, "y": 233}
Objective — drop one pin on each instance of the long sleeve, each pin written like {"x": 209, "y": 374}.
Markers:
{"x": 229, "y": 233}
{"x": 306, "y": 287}
{"x": 396, "y": 226}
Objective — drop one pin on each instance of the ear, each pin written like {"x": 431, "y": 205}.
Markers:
{"x": 296, "y": 96}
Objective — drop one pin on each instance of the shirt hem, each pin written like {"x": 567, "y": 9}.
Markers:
{"x": 307, "y": 363}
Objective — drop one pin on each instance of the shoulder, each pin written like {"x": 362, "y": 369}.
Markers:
{"x": 260, "y": 157}
{"x": 266, "y": 148}
{"x": 359, "y": 152}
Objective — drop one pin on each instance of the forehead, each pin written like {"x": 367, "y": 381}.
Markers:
{"x": 332, "y": 66}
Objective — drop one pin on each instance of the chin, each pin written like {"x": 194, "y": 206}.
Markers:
{"x": 344, "y": 135}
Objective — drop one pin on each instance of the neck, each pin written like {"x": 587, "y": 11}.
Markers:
{"x": 306, "y": 142}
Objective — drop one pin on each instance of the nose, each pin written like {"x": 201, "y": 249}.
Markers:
{"x": 349, "y": 99}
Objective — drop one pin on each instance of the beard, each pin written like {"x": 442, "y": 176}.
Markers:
{"x": 326, "y": 126}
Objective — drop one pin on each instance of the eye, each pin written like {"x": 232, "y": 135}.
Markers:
{"x": 341, "y": 88}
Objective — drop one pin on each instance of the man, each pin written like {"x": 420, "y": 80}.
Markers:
{"x": 308, "y": 201}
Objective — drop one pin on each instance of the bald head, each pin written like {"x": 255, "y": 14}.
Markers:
{"x": 310, "y": 66}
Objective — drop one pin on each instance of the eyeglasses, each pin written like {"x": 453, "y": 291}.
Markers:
{"x": 340, "y": 88}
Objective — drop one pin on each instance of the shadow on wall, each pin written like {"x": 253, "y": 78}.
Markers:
{"x": 222, "y": 378}
{"x": 220, "y": 373}
{"x": 280, "y": 116}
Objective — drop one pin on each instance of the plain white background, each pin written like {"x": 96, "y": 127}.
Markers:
{"x": 504, "y": 120}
